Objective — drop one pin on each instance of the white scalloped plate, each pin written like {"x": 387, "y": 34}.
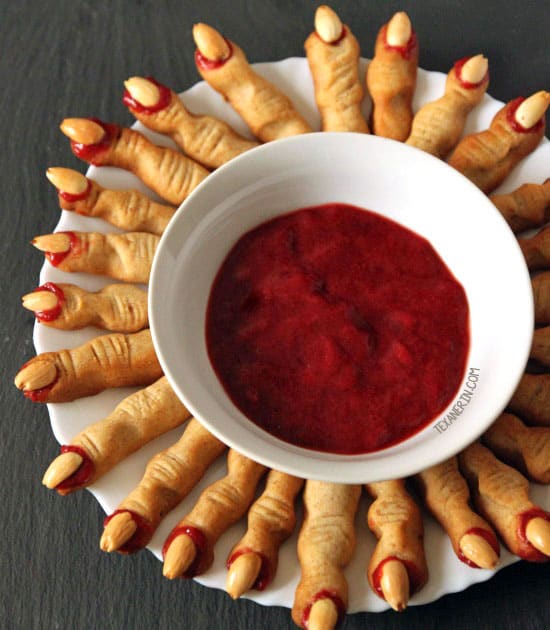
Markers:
{"x": 447, "y": 573}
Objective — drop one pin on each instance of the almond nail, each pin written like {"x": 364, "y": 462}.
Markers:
{"x": 179, "y": 556}
{"x": 399, "y": 30}
{"x": 39, "y": 301}
{"x": 67, "y": 180}
{"x": 82, "y": 130}
{"x": 210, "y": 43}
{"x": 62, "y": 467}
{"x": 36, "y": 375}
{"x": 475, "y": 69}
{"x": 143, "y": 91}
{"x": 532, "y": 109}
{"x": 52, "y": 243}
{"x": 327, "y": 24}
{"x": 117, "y": 532}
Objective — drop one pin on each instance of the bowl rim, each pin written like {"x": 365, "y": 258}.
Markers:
{"x": 317, "y": 464}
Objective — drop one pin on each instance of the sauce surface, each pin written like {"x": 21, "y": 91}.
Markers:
{"x": 336, "y": 329}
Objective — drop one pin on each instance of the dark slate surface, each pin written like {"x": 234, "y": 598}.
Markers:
{"x": 67, "y": 57}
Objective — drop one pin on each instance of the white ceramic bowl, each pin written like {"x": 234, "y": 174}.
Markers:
{"x": 390, "y": 178}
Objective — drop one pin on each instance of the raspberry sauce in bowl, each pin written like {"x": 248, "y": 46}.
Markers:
{"x": 336, "y": 329}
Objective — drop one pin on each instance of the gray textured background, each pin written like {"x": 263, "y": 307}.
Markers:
{"x": 70, "y": 58}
